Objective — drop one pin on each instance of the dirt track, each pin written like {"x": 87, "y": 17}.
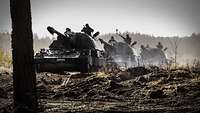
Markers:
{"x": 133, "y": 90}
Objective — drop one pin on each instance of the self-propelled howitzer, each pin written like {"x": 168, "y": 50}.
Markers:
{"x": 121, "y": 53}
{"x": 70, "y": 52}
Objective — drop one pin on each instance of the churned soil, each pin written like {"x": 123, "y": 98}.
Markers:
{"x": 138, "y": 89}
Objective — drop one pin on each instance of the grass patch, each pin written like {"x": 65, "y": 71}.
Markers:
{"x": 5, "y": 59}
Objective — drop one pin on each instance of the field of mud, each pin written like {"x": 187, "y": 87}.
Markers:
{"x": 137, "y": 89}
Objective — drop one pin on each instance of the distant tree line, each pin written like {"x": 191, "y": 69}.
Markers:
{"x": 189, "y": 46}
{"x": 39, "y": 42}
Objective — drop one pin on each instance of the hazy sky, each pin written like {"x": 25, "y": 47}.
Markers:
{"x": 157, "y": 17}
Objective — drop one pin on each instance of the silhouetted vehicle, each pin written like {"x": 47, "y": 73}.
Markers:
{"x": 76, "y": 52}
{"x": 121, "y": 53}
{"x": 152, "y": 56}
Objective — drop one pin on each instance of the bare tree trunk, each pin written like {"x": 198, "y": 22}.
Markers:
{"x": 25, "y": 99}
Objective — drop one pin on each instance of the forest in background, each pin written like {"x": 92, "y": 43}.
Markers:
{"x": 188, "y": 48}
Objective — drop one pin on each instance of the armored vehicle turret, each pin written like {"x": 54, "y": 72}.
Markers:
{"x": 70, "y": 52}
{"x": 78, "y": 41}
{"x": 121, "y": 53}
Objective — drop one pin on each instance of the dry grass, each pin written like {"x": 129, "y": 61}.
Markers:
{"x": 5, "y": 59}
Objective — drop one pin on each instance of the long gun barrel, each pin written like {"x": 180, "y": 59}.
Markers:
{"x": 104, "y": 42}
{"x": 108, "y": 48}
{"x": 52, "y": 31}
{"x": 121, "y": 36}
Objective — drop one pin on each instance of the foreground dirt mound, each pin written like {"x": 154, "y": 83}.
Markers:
{"x": 137, "y": 89}
{"x": 137, "y": 71}
{"x": 151, "y": 90}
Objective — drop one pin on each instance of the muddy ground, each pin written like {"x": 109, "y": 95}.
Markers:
{"x": 138, "y": 89}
